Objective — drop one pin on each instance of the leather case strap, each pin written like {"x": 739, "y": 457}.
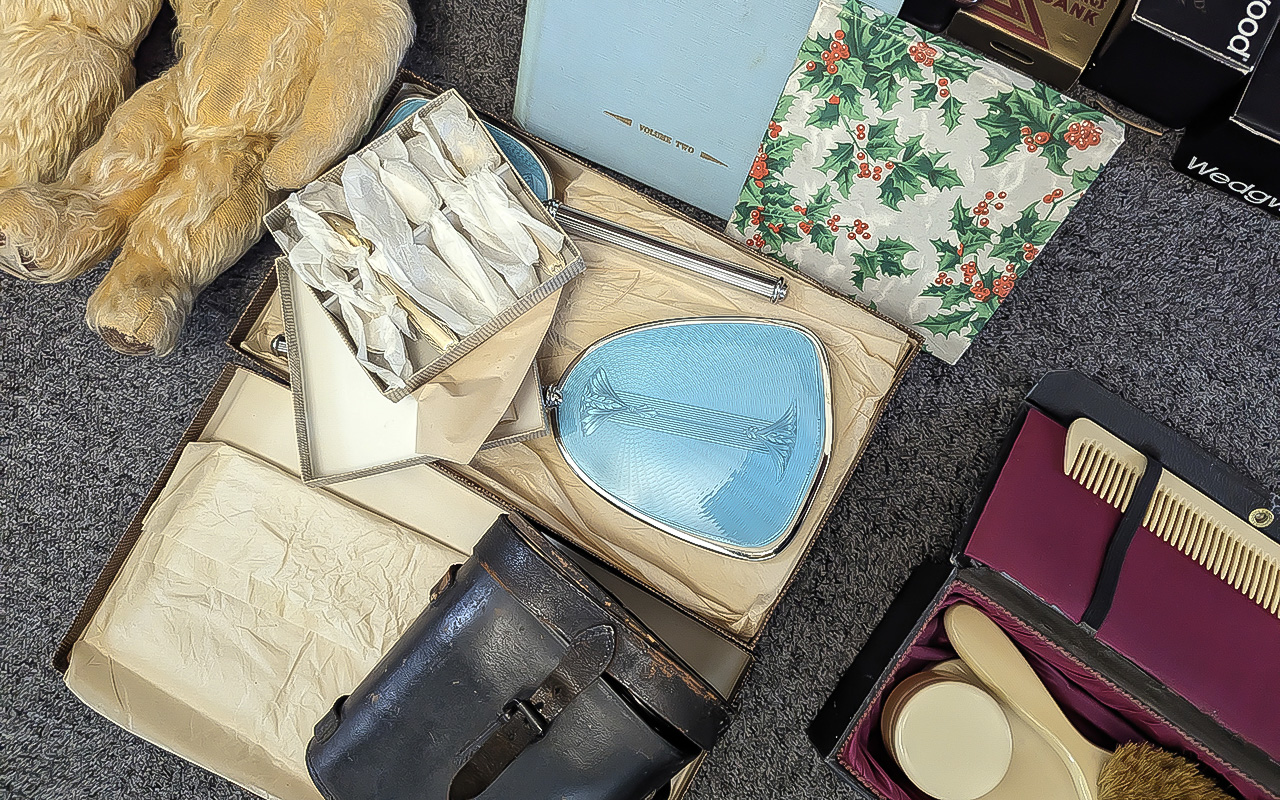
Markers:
{"x": 641, "y": 663}
{"x": 525, "y": 721}
{"x": 1104, "y": 591}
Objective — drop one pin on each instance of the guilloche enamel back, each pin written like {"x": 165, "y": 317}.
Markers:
{"x": 715, "y": 430}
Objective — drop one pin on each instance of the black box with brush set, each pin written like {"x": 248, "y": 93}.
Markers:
{"x": 1237, "y": 149}
{"x": 1135, "y": 638}
{"x": 1174, "y": 60}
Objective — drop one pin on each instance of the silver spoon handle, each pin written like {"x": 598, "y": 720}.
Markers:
{"x": 581, "y": 223}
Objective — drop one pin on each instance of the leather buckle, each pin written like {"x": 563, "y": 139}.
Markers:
{"x": 530, "y": 714}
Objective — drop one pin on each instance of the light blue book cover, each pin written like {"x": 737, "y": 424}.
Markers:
{"x": 672, "y": 93}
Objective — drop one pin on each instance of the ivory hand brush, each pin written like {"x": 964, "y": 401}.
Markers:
{"x": 1133, "y": 772}
{"x": 1179, "y": 514}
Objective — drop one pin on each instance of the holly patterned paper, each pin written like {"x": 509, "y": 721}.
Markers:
{"x": 915, "y": 175}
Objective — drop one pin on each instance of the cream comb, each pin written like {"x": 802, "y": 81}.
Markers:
{"x": 1179, "y": 514}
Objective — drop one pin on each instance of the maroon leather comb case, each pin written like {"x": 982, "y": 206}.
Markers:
{"x": 1177, "y": 656}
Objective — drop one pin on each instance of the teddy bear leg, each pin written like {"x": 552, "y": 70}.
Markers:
{"x": 55, "y": 232}
{"x": 203, "y": 218}
{"x": 66, "y": 67}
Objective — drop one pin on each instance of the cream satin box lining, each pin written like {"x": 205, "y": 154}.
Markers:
{"x": 253, "y": 415}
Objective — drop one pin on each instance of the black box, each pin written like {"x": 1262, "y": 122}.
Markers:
{"x": 1050, "y": 40}
{"x": 1174, "y": 60}
{"x": 847, "y": 732}
{"x": 1239, "y": 152}
{"x": 932, "y": 15}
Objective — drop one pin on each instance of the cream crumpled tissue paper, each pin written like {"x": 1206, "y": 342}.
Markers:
{"x": 248, "y": 606}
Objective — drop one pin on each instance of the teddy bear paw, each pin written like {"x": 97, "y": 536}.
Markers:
{"x": 49, "y": 234}
{"x": 139, "y": 311}
{"x": 16, "y": 259}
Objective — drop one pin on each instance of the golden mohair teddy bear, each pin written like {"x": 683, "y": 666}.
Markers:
{"x": 265, "y": 94}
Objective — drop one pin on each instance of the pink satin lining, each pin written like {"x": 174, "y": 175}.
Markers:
{"x": 1170, "y": 616}
{"x": 1100, "y": 711}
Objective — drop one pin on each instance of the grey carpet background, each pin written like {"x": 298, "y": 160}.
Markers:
{"x": 1162, "y": 289}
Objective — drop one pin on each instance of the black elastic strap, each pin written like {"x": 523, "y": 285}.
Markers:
{"x": 1104, "y": 591}
{"x": 525, "y": 721}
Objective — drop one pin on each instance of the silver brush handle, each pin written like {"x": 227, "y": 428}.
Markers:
{"x": 581, "y": 223}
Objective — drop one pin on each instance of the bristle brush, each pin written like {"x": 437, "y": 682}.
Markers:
{"x": 1133, "y": 772}
{"x": 1179, "y": 514}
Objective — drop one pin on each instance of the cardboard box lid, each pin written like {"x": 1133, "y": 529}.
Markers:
{"x": 1259, "y": 107}
{"x": 1169, "y": 616}
{"x": 1051, "y": 40}
{"x": 1233, "y": 32}
{"x": 673, "y": 94}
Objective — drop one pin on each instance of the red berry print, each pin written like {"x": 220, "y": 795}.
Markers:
{"x": 834, "y": 99}
{"x": 1083, "y": 135}
{"x": 838, "y": 34}
{"x": 811, "y": 66}
{"x": 943, "y": 81}
{"x": 774, "y": 129}
{"x": 1003, "y": 285}
{"x": 922, "y": 53}
{"x": 1026, "y": 131}
{"x": 806, "y": 226}
{"x": 760, "y": 167}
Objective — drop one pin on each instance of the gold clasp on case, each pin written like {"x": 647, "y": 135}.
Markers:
{"x": 1261, "y": 517}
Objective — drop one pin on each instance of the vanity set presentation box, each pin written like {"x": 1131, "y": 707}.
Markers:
{"x": 244, "y": 599}
{"x": 1088, "y": 572}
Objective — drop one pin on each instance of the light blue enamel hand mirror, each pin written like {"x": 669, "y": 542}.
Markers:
{"x": 715, "y": 430}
